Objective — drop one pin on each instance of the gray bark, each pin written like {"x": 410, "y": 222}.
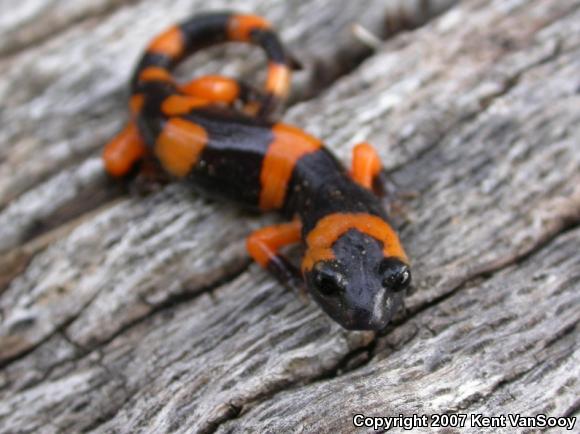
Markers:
{"x": 143, "y": 314}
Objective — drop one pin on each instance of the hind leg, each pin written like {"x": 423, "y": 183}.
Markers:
{"x": 213, "y": 89}
{"x": 124, "y": 151}
{"x": 127, "y": 155}
{"x": 224, "y": 90}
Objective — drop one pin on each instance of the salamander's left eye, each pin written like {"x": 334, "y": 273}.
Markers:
{"x": 396, "y": 274}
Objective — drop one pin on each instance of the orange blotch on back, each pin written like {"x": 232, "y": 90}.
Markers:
{"x": 330, "y": 228}
{"x": 155, "y": 73}
{"x": 169, "y": 43}
{"x": 179, "y": 104}
{"x": 241, "y": 26}
{"x": 136, "y": 103}
{"x": 213, "y": 88}
{"x": 252, "y": 108}
{"x": 278, "y": 80}
{"x": 179, "y": 146}
{"x": 289, "y": 145}
{"x": 126, "y": 149}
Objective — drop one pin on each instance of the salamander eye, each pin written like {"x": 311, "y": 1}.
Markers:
{"x": 328, "y": 280}
{"x": 396, "y": 274}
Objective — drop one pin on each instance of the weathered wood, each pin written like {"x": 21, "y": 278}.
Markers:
{"x": 146, "y": 315}
{"x": 508, "y": 344}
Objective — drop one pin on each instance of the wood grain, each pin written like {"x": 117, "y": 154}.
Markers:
{"x": 143, "y": 314}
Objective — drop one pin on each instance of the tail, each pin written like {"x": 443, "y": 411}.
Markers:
{"x": 168, "y": 49}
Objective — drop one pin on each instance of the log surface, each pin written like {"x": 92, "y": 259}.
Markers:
{"x": 121, "y": 313}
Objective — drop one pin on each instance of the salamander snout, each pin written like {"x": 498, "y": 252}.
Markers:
{"x": 360, "y": 288}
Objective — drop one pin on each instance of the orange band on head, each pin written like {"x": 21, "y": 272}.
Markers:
{"x": 289, "y": 145}
{"x": 155, "y": 73}
{"x": 240, "y": 26}
{"x": 179, "y": 146}
{"x": 169, "y": 43}
{"x": 330, "y": 228}
{"x": 175, "y": 105}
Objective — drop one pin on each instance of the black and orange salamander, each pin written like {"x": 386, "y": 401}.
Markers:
{"x": 217, "y": 134}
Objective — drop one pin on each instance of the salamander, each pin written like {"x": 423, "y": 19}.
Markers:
{"x": 220, "y": 136}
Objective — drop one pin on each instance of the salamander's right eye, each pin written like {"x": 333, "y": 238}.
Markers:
{"x": 328, "y": 280}
{"x": 396, "y": 274}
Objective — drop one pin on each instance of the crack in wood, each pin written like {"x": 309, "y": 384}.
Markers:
{"x": 17, "y": 46}
{"x": 344, "y": 367}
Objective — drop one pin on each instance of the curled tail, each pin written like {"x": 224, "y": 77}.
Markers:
{"x": 201, "y": 31}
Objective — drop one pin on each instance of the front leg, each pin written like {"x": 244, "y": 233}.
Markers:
{"x": 366, "y": 166}
{"x": 263, "y": 246}
{"x": 367, "y": 171}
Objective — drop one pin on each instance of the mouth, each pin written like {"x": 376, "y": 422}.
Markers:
{"x": 378, "y": 319}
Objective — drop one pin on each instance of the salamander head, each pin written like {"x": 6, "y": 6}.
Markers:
{"x": 358, "y": 281}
